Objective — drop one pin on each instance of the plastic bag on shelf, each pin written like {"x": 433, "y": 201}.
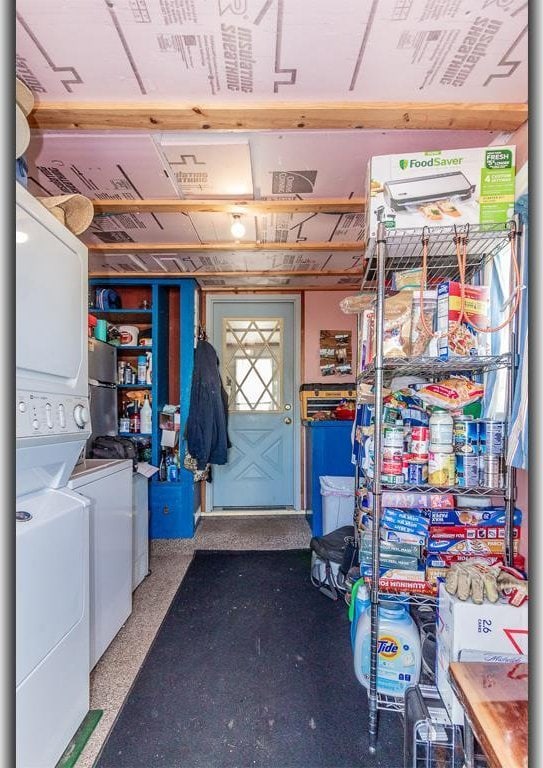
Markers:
{"x": 452, "y": 394}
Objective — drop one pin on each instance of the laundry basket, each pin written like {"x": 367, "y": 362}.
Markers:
{"x": 337, "y": 502}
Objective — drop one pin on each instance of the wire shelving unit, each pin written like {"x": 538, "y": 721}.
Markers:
{"x": 393, "y": 251}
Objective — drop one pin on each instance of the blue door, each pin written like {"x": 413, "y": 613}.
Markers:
{"x": 255, "y": 344}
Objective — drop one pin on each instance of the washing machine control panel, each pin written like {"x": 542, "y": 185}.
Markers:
{"x": 40, "y": 414}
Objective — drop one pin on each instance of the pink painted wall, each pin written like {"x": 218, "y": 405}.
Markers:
{"x": 322, "y": 312}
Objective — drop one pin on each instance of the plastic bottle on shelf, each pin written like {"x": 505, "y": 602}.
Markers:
{"x": 149, "y": 371}
{"x": 360, "y": 600}
{"x": 398, "y": 650}
{"x": 162, "y": 467}
{"x": 135, "y": 421}
{"x": 441, "y": 431}
{"x": 142, "y": 370}
{"x": 146, "y": 415}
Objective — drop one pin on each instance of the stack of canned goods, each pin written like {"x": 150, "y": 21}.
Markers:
{"x": 479, "y": 450}
{"x": 391, "y": 470}
{"x": 491, "y": 453}
{"x": 463, "y": 452}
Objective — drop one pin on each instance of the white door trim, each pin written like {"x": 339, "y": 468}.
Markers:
{"x": 296, "y": 300}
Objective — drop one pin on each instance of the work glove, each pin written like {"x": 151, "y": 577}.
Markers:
{"x": 512, "y": 585}
{"x": 473, "y": 579}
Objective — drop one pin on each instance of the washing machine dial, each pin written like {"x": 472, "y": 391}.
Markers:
{"x": 81, "y": 415}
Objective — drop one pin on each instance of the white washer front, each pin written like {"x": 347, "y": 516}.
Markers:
{"x": 52, "y": 624}
{"x": 108, "y": 486}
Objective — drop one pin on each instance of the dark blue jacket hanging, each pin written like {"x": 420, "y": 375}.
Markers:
{"x": 207, "y": 424}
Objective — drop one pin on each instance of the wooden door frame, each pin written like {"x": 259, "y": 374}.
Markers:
{"x": 211, "y": 299}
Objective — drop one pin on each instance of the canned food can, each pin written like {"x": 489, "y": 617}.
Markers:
{"x": 393, "y": 436}
{"x": 406, "y": 458}
{"x": 467, "y": 471}
{"x": 391, "y": 415}
{"x": 441, "y": 469}
{"x": 392, "y": 453}
{"x": 491, "y": 437}
{"x": 392, "y": 466}
{"x": 420, "y": 440}
{"x": 392, "y": 479}
{"x": 491, "y": 471}
{"x": 417, "y": 472}
{"x": 466, "y": 436}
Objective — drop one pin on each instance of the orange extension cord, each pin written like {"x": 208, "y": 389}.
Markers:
{"x": 461, "y": 242}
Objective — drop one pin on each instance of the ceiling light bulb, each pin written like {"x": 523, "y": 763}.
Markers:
{"x": 20, "y": 237}
{"x": 237, "y": 229}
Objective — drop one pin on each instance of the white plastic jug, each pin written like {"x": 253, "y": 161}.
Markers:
{"x": 360, "y": 600}
{"x": 398, "y": 650}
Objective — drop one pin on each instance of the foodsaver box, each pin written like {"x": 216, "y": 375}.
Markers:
{"x": 440, "y": 188}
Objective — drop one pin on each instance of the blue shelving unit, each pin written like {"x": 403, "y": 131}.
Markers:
{"x": 172, "y": 505}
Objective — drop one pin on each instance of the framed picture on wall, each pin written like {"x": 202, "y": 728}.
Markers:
{"x": 336, "y": 353}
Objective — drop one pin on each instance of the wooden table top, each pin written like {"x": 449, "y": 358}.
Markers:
{"x": 495, "y": 698}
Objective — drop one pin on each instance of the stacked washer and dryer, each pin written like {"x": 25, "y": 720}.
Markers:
{"x": 52, "y": 522}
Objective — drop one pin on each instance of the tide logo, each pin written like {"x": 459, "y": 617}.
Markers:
{"x": 388, "y": 647}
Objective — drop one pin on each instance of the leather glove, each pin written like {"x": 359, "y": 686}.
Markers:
{"x": 473, "y": 579}
{"x": 512, "y": 585}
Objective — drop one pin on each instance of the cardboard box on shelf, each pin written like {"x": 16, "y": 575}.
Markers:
{"x": 491, "y": 628}
{"x": 441, "y": 188}
{"x": 472, "y": 517}
{"x": 464, "y": 340}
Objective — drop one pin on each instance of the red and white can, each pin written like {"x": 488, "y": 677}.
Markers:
{"x": 420, "y": 441}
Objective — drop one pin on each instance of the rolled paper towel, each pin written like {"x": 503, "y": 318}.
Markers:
{"x": 23, "y": 106}
{"x": 74, "y": 211}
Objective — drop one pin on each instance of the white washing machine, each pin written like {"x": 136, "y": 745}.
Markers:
{"x": 52, "y": 528}
{"x": 52, "y": 623}
{"x": 107, "y": 483}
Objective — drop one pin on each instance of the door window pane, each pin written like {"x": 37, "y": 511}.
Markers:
{"x": 252, "y": 363}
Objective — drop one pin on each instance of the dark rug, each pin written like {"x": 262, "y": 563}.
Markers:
{"x": 251, "y": 668}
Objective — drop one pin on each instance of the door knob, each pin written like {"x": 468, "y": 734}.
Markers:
{"x": 287, "y": 420}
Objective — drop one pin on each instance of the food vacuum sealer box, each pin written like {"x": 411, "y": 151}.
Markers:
{"x": 440, "y": 188}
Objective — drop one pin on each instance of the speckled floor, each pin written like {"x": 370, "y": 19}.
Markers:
{"x": 169, "y": 559}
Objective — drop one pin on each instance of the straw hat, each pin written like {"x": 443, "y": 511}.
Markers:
{"x": 24, "y": 104}
{"x": 73, "y": 211}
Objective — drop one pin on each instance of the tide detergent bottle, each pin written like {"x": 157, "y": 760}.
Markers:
{"x": 398, "y": 650}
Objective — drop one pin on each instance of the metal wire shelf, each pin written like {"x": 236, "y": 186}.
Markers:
{"x": 472, "y": 490}
{"x": 390, "y": 703}
{"x": 432, "y": 366}
{"x": 410, "y": 598}
{"x": 404, "y": 251}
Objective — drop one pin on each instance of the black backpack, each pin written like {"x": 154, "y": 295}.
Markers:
{"x": 108, "y": 447}
{"x": 337, "y": 547}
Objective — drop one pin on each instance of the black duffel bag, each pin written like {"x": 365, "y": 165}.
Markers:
{"x": 332, "y": 555}
{"x": 109, "y": 447}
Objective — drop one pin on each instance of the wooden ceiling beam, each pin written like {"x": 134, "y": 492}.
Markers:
{"x": 229, "y": 274}
{"x": 166, "y": 116}
{"x": 177, "y": 205}
{"x": 214, "y": 247}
